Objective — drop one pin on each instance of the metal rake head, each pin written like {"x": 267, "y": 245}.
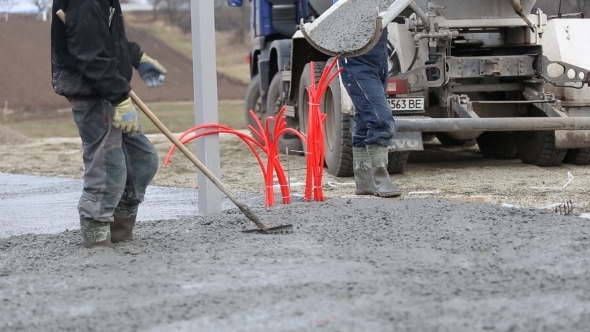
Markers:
{"x": 284, "y": 229}
{"x": 565, "y": 209}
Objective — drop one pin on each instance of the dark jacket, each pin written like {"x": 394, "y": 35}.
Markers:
{"x": 90, "y": 54}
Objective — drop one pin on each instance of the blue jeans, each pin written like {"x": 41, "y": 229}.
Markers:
{"x": 365, "y": 79}
{"x": 117, "y": 167}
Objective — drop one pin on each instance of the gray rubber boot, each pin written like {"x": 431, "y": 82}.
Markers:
{"x": 363, "y": 172}
{"x": 122, "y": 228}
{"x": 95, "y": 233}
{"x": 379, "y": 159}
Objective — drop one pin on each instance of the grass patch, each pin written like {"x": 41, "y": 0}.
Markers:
{"x": 180, "y": 116}
{"x": 176, "y": 116}
{"x": 172, "y": 37}
{"x": 58, "y": 126}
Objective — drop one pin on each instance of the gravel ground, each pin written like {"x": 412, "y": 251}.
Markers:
{"x": 448, "y": 171}
{"x": 350, "y": 265}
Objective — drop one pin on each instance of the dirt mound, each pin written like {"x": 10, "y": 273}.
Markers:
{"x": 26, "y": 69}
{"x": 11, "y": 137}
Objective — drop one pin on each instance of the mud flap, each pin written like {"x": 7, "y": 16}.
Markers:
{"x": 407, "y": 141}
{"x": 568, "y": 139}
{"x": 572, "y": 139}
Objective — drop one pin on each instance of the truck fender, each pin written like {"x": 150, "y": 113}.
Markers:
{"x": 263, "y": 71}
{"x": 301, "y": 54}
{"x": 280, "y": 59}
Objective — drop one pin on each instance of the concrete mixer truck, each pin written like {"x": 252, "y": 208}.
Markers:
{"x": 500, "y": 72}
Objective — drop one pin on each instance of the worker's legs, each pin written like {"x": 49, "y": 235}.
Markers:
{"x": 365, "y": 78}
{"x": 105, "y": 171}
{"x": 141, "y": 160}
{"x": 117, "y": 170}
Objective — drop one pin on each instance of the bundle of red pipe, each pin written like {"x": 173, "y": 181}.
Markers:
{"x": 267, "y": 141}
{"x": 315, "y": 132}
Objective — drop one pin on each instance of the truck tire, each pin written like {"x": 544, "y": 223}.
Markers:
{"x": 254, "y": 102}
{"x": 397, "y": 162}
{"x": 578, "y": 157}
{"x": 538, "y": 148}
{"x": 447, "y": 140}
{"x": 497, "y": 145}
{"x": 338, "y": 133}
{"x": 274, "y": 104}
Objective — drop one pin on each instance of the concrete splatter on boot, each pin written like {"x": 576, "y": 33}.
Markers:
{"x": 95, "y": 233}
{"x": 363, "y": 172}
{"x": 122, "y": 228}
{"x": 383, "y": 185}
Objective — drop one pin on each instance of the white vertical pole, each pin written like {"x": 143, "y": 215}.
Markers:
{"x": 206, "y": 108}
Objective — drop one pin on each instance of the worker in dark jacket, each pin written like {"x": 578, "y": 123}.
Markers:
{"x": 92, "y": 64}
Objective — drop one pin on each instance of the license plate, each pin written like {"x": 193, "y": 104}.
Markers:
{"x": 406, "y": 104}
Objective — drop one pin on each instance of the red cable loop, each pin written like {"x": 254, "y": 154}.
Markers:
{"x": 269, "y": 146}
{"x": 315, "y": 150}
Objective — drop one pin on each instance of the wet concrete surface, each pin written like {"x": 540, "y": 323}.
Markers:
{"x": 360, "y": 264}
{"x": 335, "y": 33}
{"x": 35, "y": 204}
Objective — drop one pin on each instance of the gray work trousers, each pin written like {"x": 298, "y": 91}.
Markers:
{"x": 118, "y": 167}
{"x": 365, "y": 79}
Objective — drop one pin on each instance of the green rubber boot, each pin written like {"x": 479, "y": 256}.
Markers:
{"x": 363, "y": 172}
{"x": 125, "y": 217}
{"x": 383, "y": 185}
{"x": 95, "y": 233}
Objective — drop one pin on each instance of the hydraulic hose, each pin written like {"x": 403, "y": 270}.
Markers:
{"x": 415, "y": 57}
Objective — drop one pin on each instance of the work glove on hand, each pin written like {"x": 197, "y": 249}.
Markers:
{"x": 126, "y": 117}
{"x": 151, "y": 71}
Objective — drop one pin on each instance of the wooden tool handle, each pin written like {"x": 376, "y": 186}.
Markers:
{"x": 62, "y": 16}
